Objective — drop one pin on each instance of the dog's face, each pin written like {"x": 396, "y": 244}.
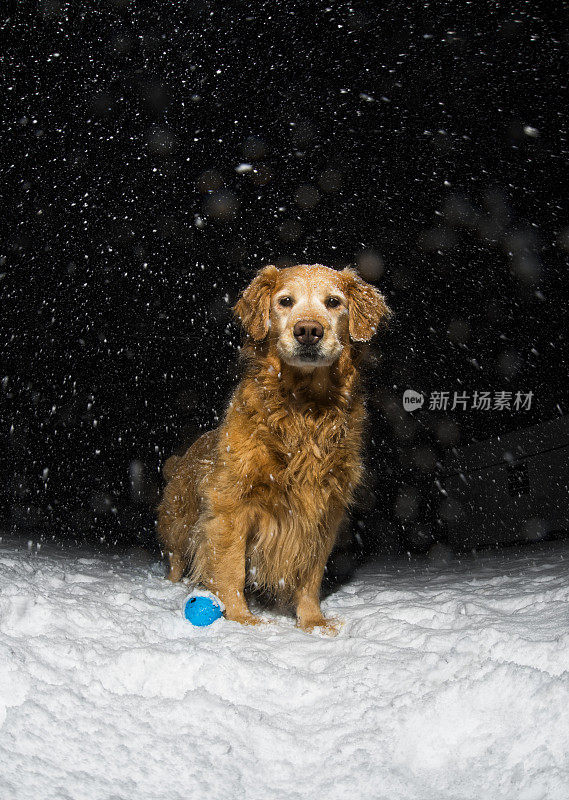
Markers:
{"x": 309, "y": 316}
{"x": 310, "y": 312}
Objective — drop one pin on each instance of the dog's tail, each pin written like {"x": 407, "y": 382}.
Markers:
{"x": 170, "y": 467}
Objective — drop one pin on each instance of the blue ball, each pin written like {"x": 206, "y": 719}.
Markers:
{"x": 201, "y": 611}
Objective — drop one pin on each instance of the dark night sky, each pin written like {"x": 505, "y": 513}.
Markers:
{"x": 426, "y": 143}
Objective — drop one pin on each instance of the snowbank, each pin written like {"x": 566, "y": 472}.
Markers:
{"x": 448, "y": 680}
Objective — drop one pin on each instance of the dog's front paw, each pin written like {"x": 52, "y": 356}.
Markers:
{"x": 329, "y": 627}
{"x": 244, "y": 619}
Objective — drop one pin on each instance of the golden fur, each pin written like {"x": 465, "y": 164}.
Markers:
{"x": 258, "y": 502}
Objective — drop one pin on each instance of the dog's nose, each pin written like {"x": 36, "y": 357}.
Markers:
{"x": 308, "y": 331}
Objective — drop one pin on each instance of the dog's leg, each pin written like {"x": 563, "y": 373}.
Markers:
{"x": 227, "y": 541}
{"x": 307, "y": 597}
{"x": 177, "y": 567}
{"x": 308, "y": 612}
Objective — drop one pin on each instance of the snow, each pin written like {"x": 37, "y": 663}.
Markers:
{"x": 449, "y": 679}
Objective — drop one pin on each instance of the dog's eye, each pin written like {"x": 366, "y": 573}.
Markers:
{"x": 285, "y": 301}
{"x": 332, "y": 302}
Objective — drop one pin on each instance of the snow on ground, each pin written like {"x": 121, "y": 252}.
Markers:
{"x": 448, "y": 680}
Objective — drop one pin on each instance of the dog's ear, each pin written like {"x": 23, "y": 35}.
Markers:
{"x": 254, "y": 305}
{"x": 366, "y": 306}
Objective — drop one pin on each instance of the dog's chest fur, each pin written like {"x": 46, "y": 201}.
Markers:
{"x": 311, "y": 479}
{"x": 310, "y": 446}
{"x": 293, "y": 461}
{"x": 303, "y": 454}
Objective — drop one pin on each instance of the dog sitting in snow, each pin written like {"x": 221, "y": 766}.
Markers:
{"x": 258, "y": 502}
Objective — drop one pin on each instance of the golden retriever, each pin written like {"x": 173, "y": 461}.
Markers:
{"x": 258, "y": 502}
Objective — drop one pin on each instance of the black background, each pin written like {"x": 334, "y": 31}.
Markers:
{"x": 425, "y": 143}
